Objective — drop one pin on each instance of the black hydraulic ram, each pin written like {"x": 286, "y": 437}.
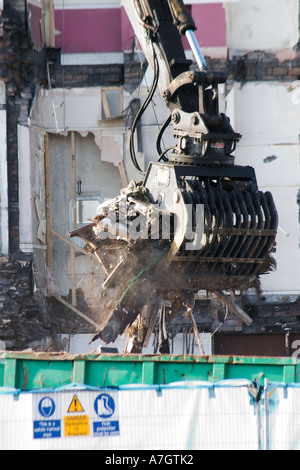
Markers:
{"x": 186, "y": 26}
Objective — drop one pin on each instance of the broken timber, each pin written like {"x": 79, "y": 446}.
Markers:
{"x": 234, "y": 308}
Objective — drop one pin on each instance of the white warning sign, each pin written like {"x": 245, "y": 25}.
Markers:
{"x": 107, "y": 421}
{"x": 70, "y": 414}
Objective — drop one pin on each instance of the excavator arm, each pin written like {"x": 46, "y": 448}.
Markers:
{"x": 202, "y": 133}
{"x": 156, "y": 29}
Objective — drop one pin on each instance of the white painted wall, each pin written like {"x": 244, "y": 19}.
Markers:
{"x": 3, "y": 174}
{"x": 25, "y": 204}
{"x": 268, "y": 118}
{"x": 60, "y": 110}
{"x": 262, "y": 24}
{"x": 99, "y": 179}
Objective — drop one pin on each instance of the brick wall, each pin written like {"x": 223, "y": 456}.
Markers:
{"x": 258, "y": 66}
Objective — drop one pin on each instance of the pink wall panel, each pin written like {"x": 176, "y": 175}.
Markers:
{"x": 127, "y": 31}
{"x": 211, "y": 24}
{"x": 92, "y": 30}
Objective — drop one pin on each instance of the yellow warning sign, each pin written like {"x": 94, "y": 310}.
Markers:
{"x": 75, "y": 406}
{"x": 77, "y": 425}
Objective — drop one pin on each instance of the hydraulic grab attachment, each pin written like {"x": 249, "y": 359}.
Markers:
{"x": 196, "y": 221}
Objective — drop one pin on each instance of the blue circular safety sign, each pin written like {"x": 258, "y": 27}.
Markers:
{"x": 46, "y": 407}
{"x": 104, "y": 406}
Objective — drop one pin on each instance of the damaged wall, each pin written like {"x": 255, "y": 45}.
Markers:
{"x": 23, "y": 67}
{"x": 97, "y": 172}
{"x": 22, "y": 325}
{"x": 262, "y": 25}
{"x": 99, "y": 180}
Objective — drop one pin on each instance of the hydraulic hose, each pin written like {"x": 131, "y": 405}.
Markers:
{"x": 141, "y": 112}
{"x": 159, "y": 137}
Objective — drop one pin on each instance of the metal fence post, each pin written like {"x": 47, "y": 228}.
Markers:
{"x": 267, "y": 416}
